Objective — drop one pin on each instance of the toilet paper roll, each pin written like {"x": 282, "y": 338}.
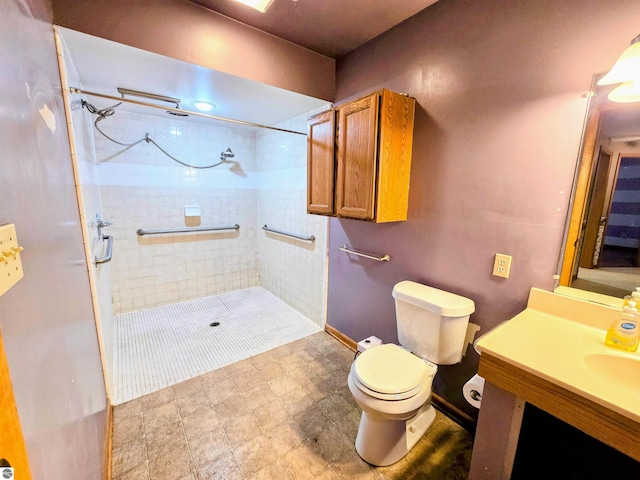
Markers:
{"x": 472, "y": 390}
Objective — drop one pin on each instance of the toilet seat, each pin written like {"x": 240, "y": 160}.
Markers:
{"x": 389, "y": 372}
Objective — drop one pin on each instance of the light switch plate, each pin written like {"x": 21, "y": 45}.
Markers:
{"x": 10, "y": 264}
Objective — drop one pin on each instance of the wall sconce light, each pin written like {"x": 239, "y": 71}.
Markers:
{"x": 626, "y": 71}
{"x": 626, "y": 93}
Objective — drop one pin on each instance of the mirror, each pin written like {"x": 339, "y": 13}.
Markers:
{"x": 602, "y": 238}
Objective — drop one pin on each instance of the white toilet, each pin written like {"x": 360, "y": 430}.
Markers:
{"x": 392, "y": 384}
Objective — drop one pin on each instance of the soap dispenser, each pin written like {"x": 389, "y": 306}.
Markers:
{"x": 623, "y": 333}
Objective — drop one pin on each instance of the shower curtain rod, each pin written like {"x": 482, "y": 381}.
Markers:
{"x": 79, "y": 91}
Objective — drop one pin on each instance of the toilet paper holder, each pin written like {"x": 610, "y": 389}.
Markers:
{"x": 472, "y": 390}
{"x": 475, "y": 395}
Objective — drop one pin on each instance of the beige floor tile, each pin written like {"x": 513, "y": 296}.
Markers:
{"x": 171, "y": 466}
{"x": 283, "y": 385}
{"x": 285, "y": 437}
{"x": 128, "y": 456}
{"x": 200, "y": 422}
{"x": 350, "y": 467}
{"x": 131, "y": 408}
{"x": 300, "y": 374}
{"x": 296, "y": 401}
{"x": 335, "y": 406}
{"x": 141, "y": 472}
{"x": 155, "y": 399}
{"x": 187, "y": 388}
{"x": 270, "y": 370}
{"x": 248, "y": 381}
{"x": 241, "y": 368}
{"x": 255, "y": 455}
{"x": 232, "y": 408}
{"x": 286, "y": 414}
{"x": 268, "y": 416}
{"x": 242, "y": 429}
{"x": 332, "y": 443}
{"x": 350, "y": 423}
{"x": 157, "y": 417}
{"x": 275, "y": 471}
{"x": 260, "y": 395}
{"x": 322, "y": 366}
{"x": 328, "y": 474}
{"x": 224, "y": 468}
{"x": 193, "y": 402}
{"x": 127, "y": 429}
{"x": 219, "y": 392}
{"x": 291, "y": 361}
{"x": 312, "y": 420}
{"x": 304, "y": 462}
{"x": 280, "y": 352}
{"x": 214, "y": 377}
{"x": 262, "y": 359}
{"x": 164, "y": 439}
{"x": 208, "y": 447}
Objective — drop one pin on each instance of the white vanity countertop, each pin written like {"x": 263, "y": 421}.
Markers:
{"x": 561, "y": 340}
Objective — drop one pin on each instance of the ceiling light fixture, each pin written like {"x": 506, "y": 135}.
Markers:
{"x": 260, "y": 5}
{"x": 203, "y": 105}
{"x": 626, "y": 71}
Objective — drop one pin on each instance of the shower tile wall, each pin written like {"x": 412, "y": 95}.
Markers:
{"x": 142, "y": 188}
{"x": 291, "y": 269}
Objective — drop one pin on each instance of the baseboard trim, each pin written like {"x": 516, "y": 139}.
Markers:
{"x": 447, "y": 408}
{"x": 341, "y": 337}
{"x": 454, "y": 413}
{"x": 108, "y": 441}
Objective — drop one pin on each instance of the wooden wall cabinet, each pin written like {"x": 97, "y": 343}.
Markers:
{"x": 359, "y": 158}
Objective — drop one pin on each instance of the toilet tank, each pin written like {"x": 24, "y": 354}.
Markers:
{"x": 432, "y": 323}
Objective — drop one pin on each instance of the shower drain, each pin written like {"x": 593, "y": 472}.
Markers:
{"x": 214, "y": 324}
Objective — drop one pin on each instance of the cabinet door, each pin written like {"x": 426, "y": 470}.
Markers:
{"x": 320, "y": 163}
{"x": 357, "y": 148}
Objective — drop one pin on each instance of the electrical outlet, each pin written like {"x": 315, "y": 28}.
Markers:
{"x": 502, "y": 265}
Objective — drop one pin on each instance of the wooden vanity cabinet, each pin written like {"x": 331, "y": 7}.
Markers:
{"x": 359, "y": 158}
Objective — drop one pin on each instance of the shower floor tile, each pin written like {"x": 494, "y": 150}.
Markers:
{"x": 163, "y": 346}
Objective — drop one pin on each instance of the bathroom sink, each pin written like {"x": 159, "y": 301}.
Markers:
{"x": 623, "y": 371}
{"x": 553, "y": 355}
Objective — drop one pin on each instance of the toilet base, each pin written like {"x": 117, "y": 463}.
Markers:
{"x": 381, "y": 441}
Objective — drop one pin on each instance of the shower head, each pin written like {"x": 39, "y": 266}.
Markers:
{"x": 227, "y": 154}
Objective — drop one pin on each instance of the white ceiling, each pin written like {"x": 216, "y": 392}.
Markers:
{"x": 103, "y": 66}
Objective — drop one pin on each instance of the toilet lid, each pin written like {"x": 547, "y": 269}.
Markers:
{"x": 390, "y": 369}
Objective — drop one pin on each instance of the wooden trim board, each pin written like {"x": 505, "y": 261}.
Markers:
{"x": 341, "y": 337}
{"x": 592, "y": 418}
{"x": 108, "y": 442}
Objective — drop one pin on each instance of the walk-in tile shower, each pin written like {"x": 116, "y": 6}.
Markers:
{"x": 132, "y": 173}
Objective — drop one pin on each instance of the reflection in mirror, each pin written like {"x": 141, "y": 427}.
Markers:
{"x": 602, "y": 238}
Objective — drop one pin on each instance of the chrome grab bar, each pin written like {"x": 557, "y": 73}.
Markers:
{"x": 107, "y": 255}
{"x": 309, "y": 238}
{"x": 384, "y": 258}
{"x": 142, "y": 232}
